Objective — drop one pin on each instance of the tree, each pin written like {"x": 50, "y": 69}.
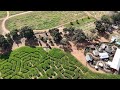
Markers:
{"x": 14, "y": 34}
{"x": 106, "y": 19}
{"x": 77, "y": 22}
{"x": 116, "y": 18}
{"x": 100, "y": 26}
{"x": 71, "y": 23}
{"x": 3, "y": 43}
{"x": 56, "y": 35}
{"x": 9, "y": 39}
{"x": 63, "y": 41}
{"x": 79, "y": 36}
{"x": 27, "y": 32}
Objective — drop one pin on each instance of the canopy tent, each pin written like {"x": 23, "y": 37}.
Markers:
{"x": 103, "y": 55}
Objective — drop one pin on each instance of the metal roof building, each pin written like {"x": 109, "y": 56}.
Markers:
{"x": 116, "y": 60}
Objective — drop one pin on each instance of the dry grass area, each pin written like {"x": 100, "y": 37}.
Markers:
{"x": 3, "y": 14}
{"x": 15, "y": 12}
{"x": 43, "y": 19}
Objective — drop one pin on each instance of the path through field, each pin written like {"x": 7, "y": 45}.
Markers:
{"x": 4, "y": 30}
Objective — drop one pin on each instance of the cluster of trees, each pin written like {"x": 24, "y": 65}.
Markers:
{"x": 104, "y": 24}
{"x": 74, "y": 35}
{"x": 6, "y": 41}
{"x": 56, "y": 35}
{"x": 116, "y": 18}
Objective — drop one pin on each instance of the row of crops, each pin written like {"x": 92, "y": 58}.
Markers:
{"x": 31, "y": 63}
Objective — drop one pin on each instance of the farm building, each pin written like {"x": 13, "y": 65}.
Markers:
{"x": 115, "y": 64}
{"x": 104, "y": 55}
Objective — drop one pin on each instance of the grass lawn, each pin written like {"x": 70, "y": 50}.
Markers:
{"x": 15, "y": 12}
{"x": 3, "y": 14}
{"x": 43, "y": 19}
{"x": 84, "y": 24}
{"x": 27, "y": 63}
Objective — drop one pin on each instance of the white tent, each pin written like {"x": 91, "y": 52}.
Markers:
{"x": 116, "y": 60}
{"x": 103, "y": 55}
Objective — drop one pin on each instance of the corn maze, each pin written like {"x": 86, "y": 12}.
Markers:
{"x": 35, "y": 63}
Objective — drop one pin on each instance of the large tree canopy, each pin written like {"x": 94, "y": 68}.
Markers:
{"x": 106, "y": 19}
{"x": 27, "y": 32}
{"x": 4, "y": 44}
{"x": 116, "y": 18}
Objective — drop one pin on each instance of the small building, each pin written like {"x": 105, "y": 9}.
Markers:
{"x": 88, "y": 58}
{"x": 104, "y": 55}
{"x": 95, "y": 52}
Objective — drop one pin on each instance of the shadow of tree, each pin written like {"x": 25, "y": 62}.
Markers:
{"x": 104, "y": 34}
{"x": 31, "y": 42}
{"x": 5, "y": 55}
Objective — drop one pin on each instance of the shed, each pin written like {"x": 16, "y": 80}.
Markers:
{"x": 104, "y": 55}
{"x": 88, "y": 58}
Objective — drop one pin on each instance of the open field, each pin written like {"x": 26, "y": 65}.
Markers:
{"x": 15, "y": 12}
{"x": 30, "y": 63}
{"x": 98, "y": 14}
{"x": 43, "y": 19}
{"x": 3, "y": 14}
{"x": 84, "y": 24}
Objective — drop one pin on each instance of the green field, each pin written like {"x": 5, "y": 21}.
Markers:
{"x": 43, "y": 19}
{"x": 83, "y": 24}
{"x": 3, "y": 14}
{"x": 27, "y": 63}
{"x": 15, "y": 12}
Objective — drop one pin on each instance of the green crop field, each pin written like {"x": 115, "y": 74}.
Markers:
{"x": 15, "y": 12}
{"x": 43, "y": 19}
{"x": 28, "y": 63}
{"x": 84, "y": 24}
{"x": 3, "y": 14}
